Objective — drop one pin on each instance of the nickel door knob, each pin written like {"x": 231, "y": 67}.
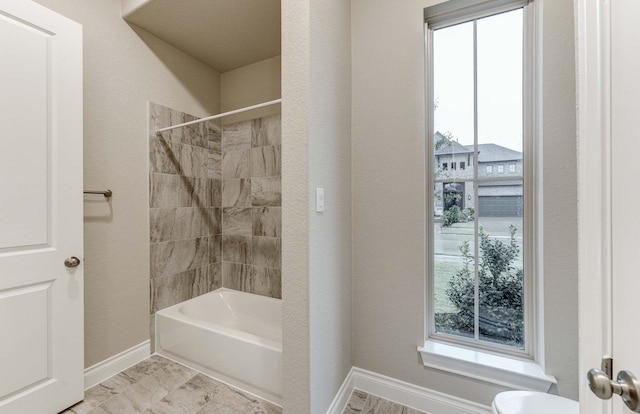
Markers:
{"x": 626, "y": 385}
{"x": 72, "y": 261}
{"x": 600, "y": 384}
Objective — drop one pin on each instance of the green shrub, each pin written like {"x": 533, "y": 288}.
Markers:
{"x": 467, "y": 214}
{"x": 451, "y": 216}
{"x": 455, "y": 215}
{"x": 500, "y": 286}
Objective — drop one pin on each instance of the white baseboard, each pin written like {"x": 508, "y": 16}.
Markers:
{"x": 342, "y": 397}
{"x": 106, "y": 369}
{"x": 423, "y": 399}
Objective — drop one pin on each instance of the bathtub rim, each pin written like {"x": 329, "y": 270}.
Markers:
{"x": 174, "y": 312}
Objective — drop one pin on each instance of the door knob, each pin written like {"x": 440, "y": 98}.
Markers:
{"x": 626, "y": 385}
{"x": 72, "y": 261}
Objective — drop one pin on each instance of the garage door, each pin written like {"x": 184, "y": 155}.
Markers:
{"x": 500, "y": 206}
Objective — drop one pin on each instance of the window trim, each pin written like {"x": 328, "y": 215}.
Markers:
{"x": 488, "y": 367}
{"x": 454, "y": 12}
{"x": 531, "y": 174}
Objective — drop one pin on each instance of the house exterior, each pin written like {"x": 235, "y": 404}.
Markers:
{"x": 499, "y": 197}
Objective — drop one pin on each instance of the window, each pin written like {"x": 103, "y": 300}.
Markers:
{"x": 445, "y": 166}
{"x": 481, "y": 66}
{"x": 453, "y": 165}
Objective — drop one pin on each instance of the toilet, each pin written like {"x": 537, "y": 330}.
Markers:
{"x": 530, "y": 402}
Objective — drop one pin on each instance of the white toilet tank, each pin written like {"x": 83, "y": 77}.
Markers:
{"x": 529, "y": 402}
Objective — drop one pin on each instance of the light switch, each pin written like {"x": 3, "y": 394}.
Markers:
{"x": 319, "y": 200}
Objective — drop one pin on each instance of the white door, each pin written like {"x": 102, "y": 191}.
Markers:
{"x": 625, "y": 114}
{"x": 41, "y": 299}
{"x": 610, "y": 69}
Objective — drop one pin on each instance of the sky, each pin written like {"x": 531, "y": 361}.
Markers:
{"x": 499, "y": 40}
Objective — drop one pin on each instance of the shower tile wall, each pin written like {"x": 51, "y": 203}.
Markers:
{"x": 185, "y": 209}
{"x": 215, "y": 207}
{"x": 251, "y": 201}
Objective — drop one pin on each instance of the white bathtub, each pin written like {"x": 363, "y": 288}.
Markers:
{"x": 233, "y": 336}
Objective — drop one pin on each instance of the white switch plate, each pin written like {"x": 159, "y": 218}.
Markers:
{"x": 319, "y": 200}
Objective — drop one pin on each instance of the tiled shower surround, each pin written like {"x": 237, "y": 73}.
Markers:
{"x": 251, "y": 201}
{"x": 215, "y": 207}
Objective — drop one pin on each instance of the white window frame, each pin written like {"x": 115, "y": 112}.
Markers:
{"x": 495, "y": 363}
{"x": 489, "y": 169}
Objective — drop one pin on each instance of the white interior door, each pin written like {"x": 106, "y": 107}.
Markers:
{"x": 41, "y": 299}
{"x": 625, "y": 148}
{"x": 609, "y": 67}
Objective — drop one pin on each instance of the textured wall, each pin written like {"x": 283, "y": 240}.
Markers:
{"x": 295, "y": 201}
{"x": 330, "y": 168}
{"x": 124, "y": 67}
{"x": 251, "y": 85}
{"x": 560, "y": 251}
{"x": 185, "y": 209}
{"x": 252, "y": 199}
{"x": 316, "y": 145}
{"x": 389, "y": 196}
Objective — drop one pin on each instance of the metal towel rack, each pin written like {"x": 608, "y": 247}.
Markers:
{"x": 106, "y": 194}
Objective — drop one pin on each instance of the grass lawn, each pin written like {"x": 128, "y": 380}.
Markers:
{"x": 443, "y": 273}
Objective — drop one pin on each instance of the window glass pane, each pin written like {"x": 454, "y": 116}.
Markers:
{"x": 500, "y": 262}
{"x": 453, "y": 100}
{"x": 478, "y": 238}
{"x": 500, "y": 82}
{"x": 454, "y": 265}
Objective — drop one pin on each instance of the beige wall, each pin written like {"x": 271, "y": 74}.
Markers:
{"x": 296, "y": 97}
{"x": 560, "y": 177}
{"x": 330, "y": 168}
{"x": 251, "y": 85}
{"x": 388, "y": 168}
{"x": 124, "y": 67}
{"x": 316, "y": 135}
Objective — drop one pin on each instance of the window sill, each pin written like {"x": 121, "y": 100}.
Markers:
{"x": 500, "y": 370}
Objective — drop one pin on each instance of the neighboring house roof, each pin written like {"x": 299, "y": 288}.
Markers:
{"x": 486, "y": 152}
{"x": 495, "y": 152}
{"x": 454, "y": 148}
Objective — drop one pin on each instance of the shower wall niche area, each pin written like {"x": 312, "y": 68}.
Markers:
{"x": 215, "y": 207}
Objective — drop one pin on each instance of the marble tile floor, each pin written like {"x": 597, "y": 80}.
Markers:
{"x": 362, "y": 403}
{"x": 160, "y": 386}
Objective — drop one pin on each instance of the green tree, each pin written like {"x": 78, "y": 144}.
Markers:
{"x": 444, "y": 140}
